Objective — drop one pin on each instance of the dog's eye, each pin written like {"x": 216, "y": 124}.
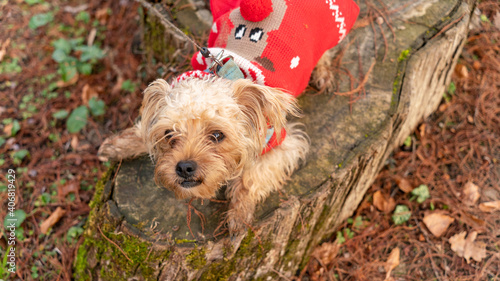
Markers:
{"x": 168, "y": 137}
{"x": 217, "y": 136}
{"x": 168, "y": 134}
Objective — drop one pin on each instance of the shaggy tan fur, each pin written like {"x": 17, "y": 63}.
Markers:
{"x": 220, "y": 126}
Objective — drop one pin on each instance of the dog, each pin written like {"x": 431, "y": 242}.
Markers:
{"x": 204, "y": 131}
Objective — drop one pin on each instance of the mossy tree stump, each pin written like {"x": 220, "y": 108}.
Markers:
{"x": 138, "y": 231}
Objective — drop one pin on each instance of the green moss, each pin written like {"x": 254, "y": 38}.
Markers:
{"x": 182, "y": 241}
{"x": 196, "y": 259}
{"x": 250, "y": 250}
{"x": 96, "y": 247}
{"x": 220, "y": 271}
{"x": 404, "y": 55}
{"x": 81, "y": 261}
{"x": 81, "y": 264}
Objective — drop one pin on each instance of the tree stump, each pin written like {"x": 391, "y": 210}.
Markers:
{"x": 138, "y": 231}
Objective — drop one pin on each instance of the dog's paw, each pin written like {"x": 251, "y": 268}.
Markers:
{"x": 323, "y": 78}
{"x": 107, "y": 151}
{"x": 238, "y": 223}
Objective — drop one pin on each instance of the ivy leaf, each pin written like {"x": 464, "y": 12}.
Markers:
{"x": 59, "y": 55}
{"x": 340, "y": 238}
{"x": 407, "y": 142}
{"x": 40, "y": 20}
{"x": 63, "y": 45}
{"x": 20, "y": 154}
{"x": 422, "y": 193}
{"x": 401, "y": 214}
{"x": 61, "y": 114}
{"x": 17, "y": 218}
{"x": 67, "y": 71}
{"x": 77, "y": 119}
{"x": 84, "y": 68}
{"x": 33, "y": 2}
{"x": 74, "y": 232}
{"x": 96, "y": 106}
{"x": 128, "y": 86}
{"x": 90, "y": 52}
{"x": 15, "y": 128}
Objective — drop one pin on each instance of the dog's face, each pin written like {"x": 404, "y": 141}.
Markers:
{"x": 203, "y": 133}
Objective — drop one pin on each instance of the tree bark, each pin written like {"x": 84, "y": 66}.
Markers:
{"x": 138, "y": 231}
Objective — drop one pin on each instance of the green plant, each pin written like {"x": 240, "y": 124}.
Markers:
{"x": 83, "y": 16}
{"x": 18, "y": 217}
{"x": 421, "y": 192}
{"x": 97, "y": 107}
{"x": 40, "y": 20}
{"x": 407, "y": 141}
{"x": 401, "y": 214}
{"x": 73, "y": 233}
{"x": 18, "y": 156}
{"x": 128, "y": 86}
{"x": 77, "y": 120}
{"x": 10, "y": 67}
{"x": 70, "y": 65}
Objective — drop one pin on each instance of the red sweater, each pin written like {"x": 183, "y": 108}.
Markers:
{"x": 277, "y": 42}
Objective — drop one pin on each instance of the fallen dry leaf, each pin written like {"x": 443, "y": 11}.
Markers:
{"x": 88, "y": 93}
{"x": 467, "y": 248}
{"x": 404, "y": 185}
{"x": 472, "y": 221}
{"x": 496, "y": 20}
{"x": 422, "y": 130}
{"x": 3, "y": 48}
{"x": 52, "y": 219}
{"x": 8, "y": 129}
{"x": 74, "y": 142}
{"x": 470, "y": 194}
{"x": 102, "y": 15}
{"x": 383, "y": 203}
{"x": 63, "y": 190}
{"x": 437, "y": 223}
{"x": 391, "y": 262}
{"x": 443, "y": 107}
{"x": 326, "y": 252}
{"x": 91, "y": 37}
{"x": 63, "y": 84}
{"x": 490, "y": 207}
{"x": 477, "y": 65}
{"x": 461, "y": 71}
{"x": 118, "y": 85}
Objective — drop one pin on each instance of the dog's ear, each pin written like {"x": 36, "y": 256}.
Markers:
{"x": 154, "y": 99}
{"x": 154, "y": 95}
{"x": 264, "y": 106}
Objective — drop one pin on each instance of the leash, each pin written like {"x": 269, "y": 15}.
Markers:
{"x": 228, "y": 70}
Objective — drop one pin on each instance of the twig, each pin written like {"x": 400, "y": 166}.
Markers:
{"x": 147, "y": 257}
{"x": 112, "y": 242}
{"x": 188, "y": 217}
{"x": 361, "y": 85}
{"x": 446, "y": 27}
{"x": 280, "y": 274}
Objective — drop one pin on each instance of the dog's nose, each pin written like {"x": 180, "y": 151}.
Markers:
{"x": 186, "y": 169}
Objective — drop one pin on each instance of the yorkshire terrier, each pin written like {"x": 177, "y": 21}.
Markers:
{"x": 204, "y": 131}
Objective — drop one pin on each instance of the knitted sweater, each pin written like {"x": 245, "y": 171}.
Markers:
{"x": 277, "y": 42}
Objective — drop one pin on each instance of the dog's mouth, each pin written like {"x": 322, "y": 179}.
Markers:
{"x": 190, "y": 183}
